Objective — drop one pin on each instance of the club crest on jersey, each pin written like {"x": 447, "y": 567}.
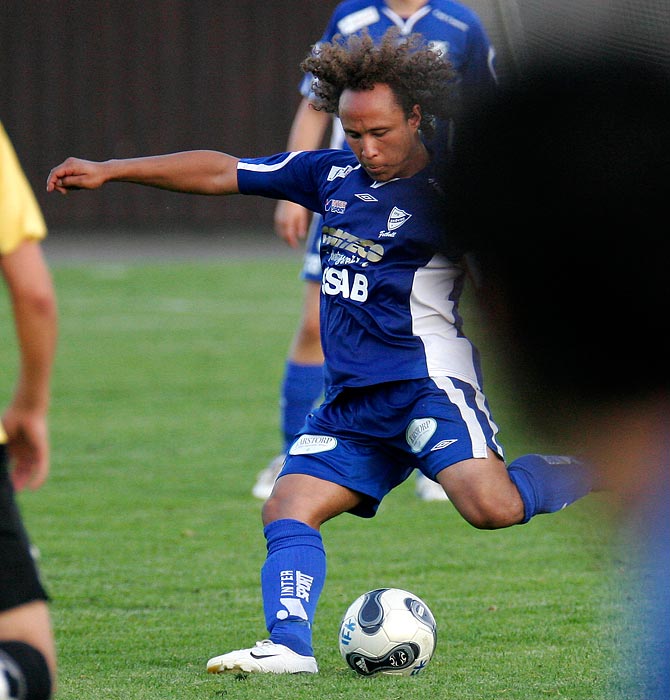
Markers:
{"x": 337, "y": 206}
{"x": 397, "y": 218}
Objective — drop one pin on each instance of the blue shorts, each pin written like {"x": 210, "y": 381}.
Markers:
{"x": 370, "y": 439}
{"x": 311, "y": 266}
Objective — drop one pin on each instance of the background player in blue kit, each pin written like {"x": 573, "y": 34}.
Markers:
{"x": 457, "y": 32}
{"x": 404, "y": 387}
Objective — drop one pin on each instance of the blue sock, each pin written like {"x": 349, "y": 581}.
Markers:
{"x": 292, "y": 580}
{"x": 301, "y": 388}
{"x": 548, "y": 483}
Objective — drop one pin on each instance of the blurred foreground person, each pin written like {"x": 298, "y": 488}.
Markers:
{"x": 27, "y": 651}
{"x": 574, "y": 166}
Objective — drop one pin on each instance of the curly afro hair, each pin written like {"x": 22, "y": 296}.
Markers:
{"x": 415, "y": 72}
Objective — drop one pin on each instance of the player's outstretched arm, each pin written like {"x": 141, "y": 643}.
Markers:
{"x": 196, "y": 172}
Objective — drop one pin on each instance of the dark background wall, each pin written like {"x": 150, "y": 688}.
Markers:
{"x": 115, "y": 78}
{"x": 106, "y": 78}
{"x": 119, "y": 78}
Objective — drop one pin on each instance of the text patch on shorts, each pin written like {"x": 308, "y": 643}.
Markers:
{"x": 419, "y": 431}
{"x": 311, "y": 444}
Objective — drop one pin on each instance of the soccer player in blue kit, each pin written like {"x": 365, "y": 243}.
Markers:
{"x": 404, "y": 384}
{"x": 457, "y": 32}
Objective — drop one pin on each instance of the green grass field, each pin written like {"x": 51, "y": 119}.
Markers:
{"x": 164, "y": 408}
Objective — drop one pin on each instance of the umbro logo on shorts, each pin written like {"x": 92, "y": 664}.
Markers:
{"x": 442, "y": 444}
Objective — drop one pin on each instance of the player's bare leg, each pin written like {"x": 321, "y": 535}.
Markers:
{"x": 491, "y": 495}
{"x": 482, "y": 492}
{"x": 308, "y": 499}
{"x": 302, "y": 384}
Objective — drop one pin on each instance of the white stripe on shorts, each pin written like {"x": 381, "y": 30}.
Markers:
{"x": 469, "y": 415}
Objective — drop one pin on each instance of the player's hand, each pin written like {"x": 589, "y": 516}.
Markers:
{"x": 291, "y": 221}
{"x": 28, "y": 447}
{"x": 76, "y": 174}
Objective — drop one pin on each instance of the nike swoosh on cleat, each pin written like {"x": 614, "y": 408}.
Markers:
{"x": 261, "y": 656}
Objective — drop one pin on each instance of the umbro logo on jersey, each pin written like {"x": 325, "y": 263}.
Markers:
{"x": 366, "y": 197}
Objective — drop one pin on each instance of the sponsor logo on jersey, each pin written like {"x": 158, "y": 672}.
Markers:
{"x": 339, "y": 282}
{"x": 311, "y": 444}
{"x": 365, "y": 197}
{"x": 342, "y": 259}
{"x": 341, "y": 240}
{"x": 419, "y": 431}
{"x": 338, "y": 171}
{"x": 347, "y": 249}
{"x": 337, "y": 206}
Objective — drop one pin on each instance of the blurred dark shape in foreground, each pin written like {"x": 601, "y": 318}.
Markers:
{"x": 561, "y": 189}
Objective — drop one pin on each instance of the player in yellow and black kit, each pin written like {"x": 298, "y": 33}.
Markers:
{"x": 27, "y": 650}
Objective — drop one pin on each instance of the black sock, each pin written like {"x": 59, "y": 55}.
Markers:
{"x": 26, "y": 671}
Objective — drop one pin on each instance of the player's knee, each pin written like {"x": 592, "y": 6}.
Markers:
{"x": 280, "y": 506}
{"x": 272, "y": 509}
{"x": 493, "y": 513}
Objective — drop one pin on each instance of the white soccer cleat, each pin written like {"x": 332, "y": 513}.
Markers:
{"x": 266, "y": 478}
{"x": 265, "y": 657}
{"x": 428, "y": 490}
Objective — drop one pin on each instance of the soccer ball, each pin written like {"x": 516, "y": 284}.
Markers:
{"x": 389, "y": 631}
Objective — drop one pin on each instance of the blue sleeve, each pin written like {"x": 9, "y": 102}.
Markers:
{"x": 290, "y": 176}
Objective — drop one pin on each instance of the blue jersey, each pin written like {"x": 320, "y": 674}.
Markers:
{"x": 452, "y": 28}
{"x": 390, "y": 282}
